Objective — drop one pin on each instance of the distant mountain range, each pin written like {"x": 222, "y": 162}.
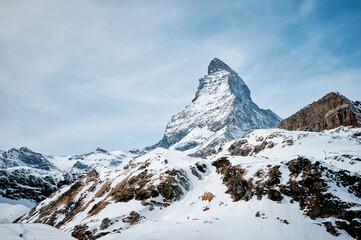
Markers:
{"x": 34, "y": 176}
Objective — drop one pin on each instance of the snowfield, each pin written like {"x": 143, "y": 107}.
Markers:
{"x": 31, "y": 232}
{"x": 105, "y": 202}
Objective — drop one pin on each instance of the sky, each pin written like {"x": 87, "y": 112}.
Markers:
{"x": 77, "y": 75}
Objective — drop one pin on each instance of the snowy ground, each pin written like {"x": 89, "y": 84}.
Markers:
{"x": 11, "y": 210}
{"x": 235, "y": 222}
{"x": 35, "y": 231}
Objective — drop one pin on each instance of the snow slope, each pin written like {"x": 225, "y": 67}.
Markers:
{"x": 31, "y": 232}
{"x": 10, "y": 212}
{"x": 271, "y": 183}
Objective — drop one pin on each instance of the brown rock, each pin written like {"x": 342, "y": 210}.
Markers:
{"x": 331, "y": 111}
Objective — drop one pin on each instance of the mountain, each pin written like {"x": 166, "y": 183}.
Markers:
{"x": 24, "y": 157}
{"x": 331, "y": 111}
{"x": 34, "y": 176}
{"x": 270, "y": 183}
{"x": 222, "y": 110}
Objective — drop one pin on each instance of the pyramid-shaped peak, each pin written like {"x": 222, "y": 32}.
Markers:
{"x": 222, "y": 110}
{"x": 218, "y": 65}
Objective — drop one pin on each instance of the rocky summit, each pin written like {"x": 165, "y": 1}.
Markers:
{"x": 331, "y": 111}
{"x": 222, "y": 110}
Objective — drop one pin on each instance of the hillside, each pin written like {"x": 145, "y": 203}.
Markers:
{"x": 268, "y": 183}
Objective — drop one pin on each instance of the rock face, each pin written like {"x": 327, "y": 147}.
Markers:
{"x": 331, "y": 111}
{"x": 222, "y": 110}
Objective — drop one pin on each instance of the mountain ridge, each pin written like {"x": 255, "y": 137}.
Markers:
{"x": 331, "y": 111}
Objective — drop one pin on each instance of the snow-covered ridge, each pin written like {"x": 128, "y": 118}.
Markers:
{"x": 34, "y": 176}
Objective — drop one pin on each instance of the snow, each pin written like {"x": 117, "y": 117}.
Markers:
{"x": 10, "y": 212}
{"x": 97, "y": 158}
{"x": 31, "y": 232}
{"x": 235, "y": 221}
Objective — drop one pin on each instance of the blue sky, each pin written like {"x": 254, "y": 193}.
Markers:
{"x": 76, "y": 75}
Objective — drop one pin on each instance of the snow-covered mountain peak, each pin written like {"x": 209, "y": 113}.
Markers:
{"x": 221, "y": 110}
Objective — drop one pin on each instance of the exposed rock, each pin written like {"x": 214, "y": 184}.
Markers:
{"x": 82, "y": 232}
{"x": 238, "y": 187}
{"x": 206, "y": 208}
{"x": 331, "y": 229}
{"x": 274, "y": 195}
{"x": 168, "y": 189}
{"x": 133, "y": 218}
{"x": 331, "y": 111}
{"x": 207, "y": 196}
{"x": 105, "y": 223}
{"x": 221, "y": 164}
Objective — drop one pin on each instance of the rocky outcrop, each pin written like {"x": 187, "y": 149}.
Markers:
{"x": 306, "y": 185}
{"x": 331, "y": 111}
